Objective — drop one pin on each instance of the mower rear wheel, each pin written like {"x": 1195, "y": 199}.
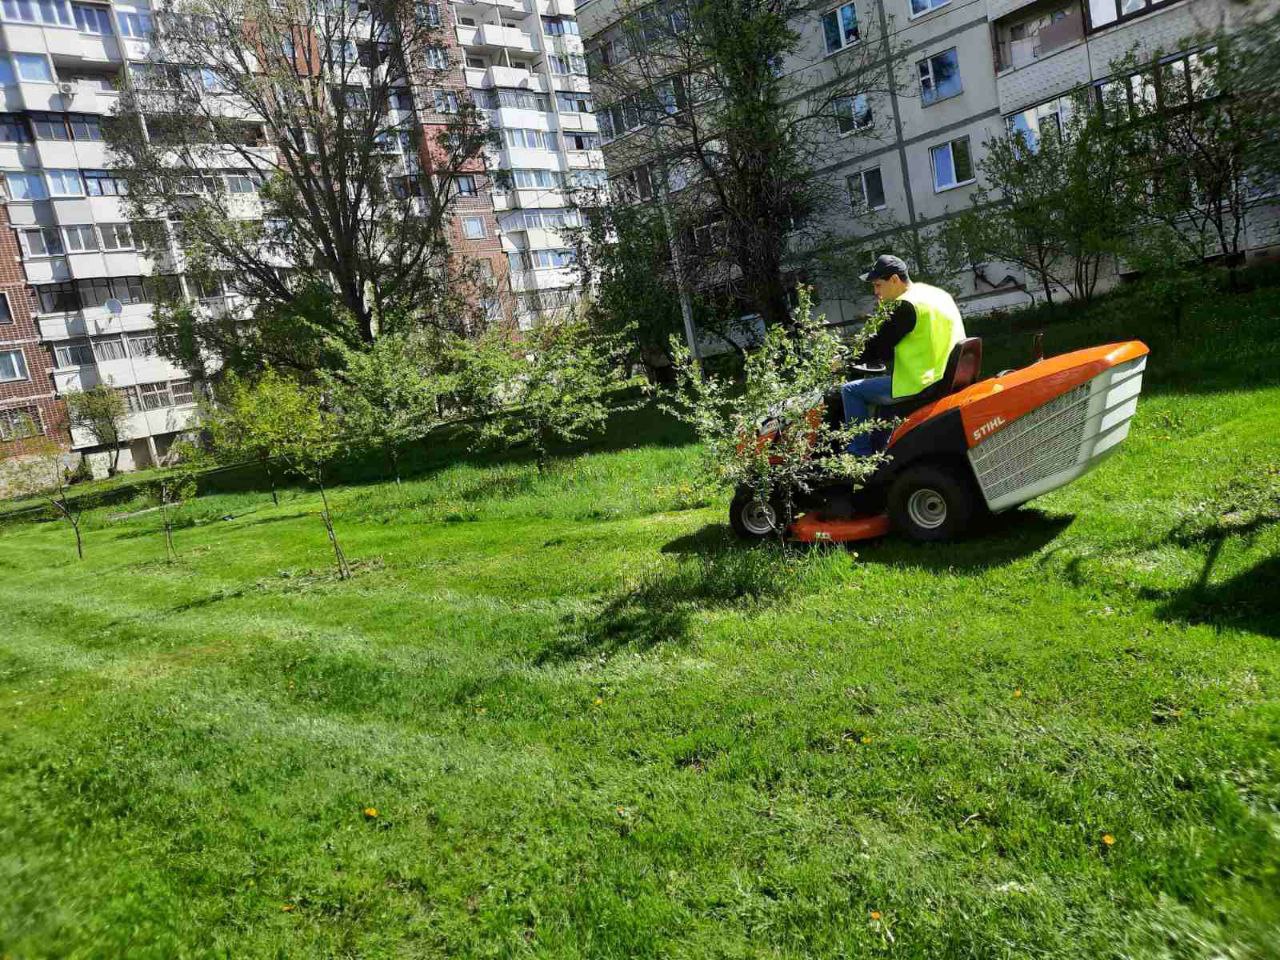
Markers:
{"x": 931, "y": 502}
{"x": 751, "y": 519}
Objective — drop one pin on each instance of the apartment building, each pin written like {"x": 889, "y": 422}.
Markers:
{"x": 966, "y": 71}
{"x": 522, "y": 63}
{"x": 76, "y": 283}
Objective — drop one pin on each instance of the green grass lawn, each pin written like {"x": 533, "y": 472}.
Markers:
{"x": 591, "y": 725}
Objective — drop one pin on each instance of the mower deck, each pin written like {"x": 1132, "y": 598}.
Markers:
{"x": 811, "y": 528}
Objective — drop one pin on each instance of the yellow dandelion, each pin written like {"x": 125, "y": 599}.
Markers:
{"x": 1108, "y": 839}
{"x": 1018, "y": 692}
{"x": 875, "y": 914}
{"x": 866, "y": 739}
{"x": 287, "y": 907}
{"x": 622, "y": 811}
{"x": 599, "y": 700}
{"x": 370, "y": 812}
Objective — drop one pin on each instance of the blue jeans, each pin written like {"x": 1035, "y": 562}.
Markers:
{"x": 859, "y": 396}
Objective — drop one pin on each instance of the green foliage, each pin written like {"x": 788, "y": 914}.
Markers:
{"x": 784, "y": 382}
{"x": 174, "y": 490}
{"x": 276, "y": 418}
{"x": 558, "y": 382}
{"x": 102, "y": 413}
{"x": 1054, "y": 204}
{"x": 389, "y": 395}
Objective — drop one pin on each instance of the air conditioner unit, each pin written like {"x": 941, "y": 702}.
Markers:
{"x": 67, "y": 88}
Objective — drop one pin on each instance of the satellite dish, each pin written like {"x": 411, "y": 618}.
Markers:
{"x": 114, "y": 307}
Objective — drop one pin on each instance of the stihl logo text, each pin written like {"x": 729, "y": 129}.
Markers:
{"x": 988, "y": 428}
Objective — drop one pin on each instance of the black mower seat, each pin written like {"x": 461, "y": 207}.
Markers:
{"x": 964, "y": 368}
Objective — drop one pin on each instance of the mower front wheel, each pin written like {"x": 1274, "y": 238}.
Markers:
{"x": 931, "y": 502}
{"x": 752, "y": 519}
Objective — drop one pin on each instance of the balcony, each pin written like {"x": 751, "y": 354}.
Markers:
{"x": 508, "y": 77}
{"x": 1036, "y": 32}
{"x": 94, "y": 321}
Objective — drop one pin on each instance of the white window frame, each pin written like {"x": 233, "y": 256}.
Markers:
{"x": 466, "y": 232}
{"x": 913, "y": 14}
{"x": 845, "y": 42}
{"x": 113, "y": 230}
{"x": 61, "y": 175}
{"x": 64, "y": 356}
{"x": 950, "y": 145}
{"x": 6, "y": 308}
{"x": 45, "y": 233}
{"x": 80, "y": 231}
{"x": 933, "y": 80}
{"x": 20, "y": 367}
{"x": 860, "y": 177}
{"x": 852, "y": 116}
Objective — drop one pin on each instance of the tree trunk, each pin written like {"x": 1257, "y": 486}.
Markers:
{"x": 344, "y": 570}
{"x": 271, "y": 479}
{"x": 75, "y": 525}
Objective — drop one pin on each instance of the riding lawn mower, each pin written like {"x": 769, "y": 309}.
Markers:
{"x": 962, "y": 447}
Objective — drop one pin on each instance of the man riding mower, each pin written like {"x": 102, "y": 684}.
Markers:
{"x": 960, "y": 446}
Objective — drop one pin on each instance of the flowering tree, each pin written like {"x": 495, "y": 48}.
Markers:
{"x": 784, "y": 385}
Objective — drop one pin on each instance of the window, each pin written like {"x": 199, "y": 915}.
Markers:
{"x": 1046, "y": 119}
{"x": 97, "y": 291}
{"x": 574, "y": 102}
{"x": 100, "y": 183}
{"x": 919, "y": 7}
{"x": 473, "y": 228}
{"x": 6, "y": 313}
{"x": 25, "y": 186}
{"x": 49, "y": 126}
{"x": 52, "y": 12}
{"x": 581, "y": 141}
{"x": 137, "y": 25}
{"x": 939, "y": 77}
{"x": 427, "y": 14}
{"x": 840, "y": 27}
{"x": 528, "y": 139}
{"x": 852, "y": 113}
{"x": 33, "y": 67}
{"x": 109, "y": 348}
{"x": 13, "y": 366}
{"x": 85, "y": 126}
{"x": 116, "y": 236}
{"x": 241, "y": 183}
{"x": 529, "y": 179}
{"x": 155, "y": 395}
{"x": 91, "y": 19}
{"x": 182, "y": 392}
{"x": 81, "y": 239}
{"x": 73, "y": 353}
{"x": 58, "y": 297}
{"x": 14, "y": 129}
{"x": 446, "y": 101}
{"x": 465, "y": 185}
{"x": 142, "y": 345}
{"x": 1103, "y": 13}
{"x": 571, "y": 63}
{"x": 952, "y": 164}
{"x": 64, "y": 183}
{"x": 17, "y": 424}
{"x": 560, "y": 26}
{"x": 41, "y": 242}
{"x": 437, "y": 58}
{"x": 866, "y": 190}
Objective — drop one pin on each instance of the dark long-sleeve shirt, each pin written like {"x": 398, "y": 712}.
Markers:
{"x": 879, "y": 348}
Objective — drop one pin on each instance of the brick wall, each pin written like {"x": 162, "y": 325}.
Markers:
{"x": 489, "y": 247}
{"x": 35, "y": 395}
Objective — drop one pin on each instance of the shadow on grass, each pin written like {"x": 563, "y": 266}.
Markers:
{"x": 1250, "y": 599}
{"x": 659, "y": 609}
{"x": 997, "y": 541}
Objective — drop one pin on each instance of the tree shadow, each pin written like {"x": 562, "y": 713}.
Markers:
{"x": 1250, "y": 600}
{"x": 658, "y": 611}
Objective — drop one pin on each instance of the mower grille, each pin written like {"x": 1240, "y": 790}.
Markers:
{"x": 1034, "y": 447}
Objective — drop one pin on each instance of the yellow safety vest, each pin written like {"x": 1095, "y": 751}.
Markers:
{"x": 920, "y": 358}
